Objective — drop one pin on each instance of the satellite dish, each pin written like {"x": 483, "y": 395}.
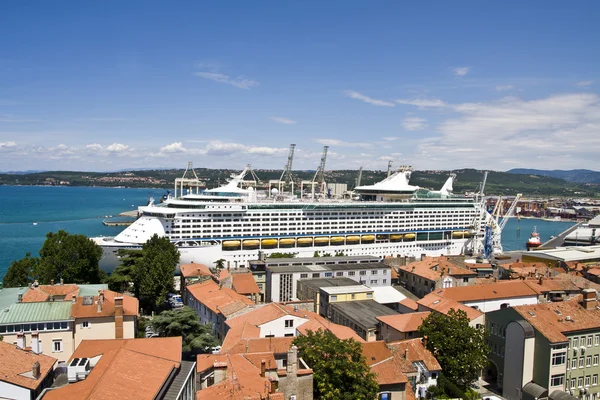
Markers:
{"x": 274, "y": 191}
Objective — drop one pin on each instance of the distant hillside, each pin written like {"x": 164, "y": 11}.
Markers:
{"x": 574, "y": 175}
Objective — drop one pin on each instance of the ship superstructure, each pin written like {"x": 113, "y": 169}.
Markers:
{"x": 392, "y": 218}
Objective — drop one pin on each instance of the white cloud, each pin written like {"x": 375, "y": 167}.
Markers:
{"x": 117, "y": 148}
{"x": 240, "y": 81}
{"x": 282, "y": 120}
{"x": 94, "y": 147}
{"x": 7, "y": 145}
{"x": 341, "y": 143}
{"x": 390, "y": 138}
{"x": 512, "y": 131}
{"x": 423, "y": 102}
{"x": 584, "y": 83}
{"x": 217, "y": 147}
{"x": 461, "y": 71}
{"x": 503, "y": 88}
{"x": 175, "y": 147}
{"x": 414, "y": 123}
{"x": 359, "y": 96}
{"x": 267, "y": 151}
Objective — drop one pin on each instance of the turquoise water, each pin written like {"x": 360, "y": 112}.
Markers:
{"x": 73, "y": 209}
{"x": 81, "y": 210}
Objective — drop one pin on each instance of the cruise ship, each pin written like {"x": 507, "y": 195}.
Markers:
{"x": 388, "y": 218}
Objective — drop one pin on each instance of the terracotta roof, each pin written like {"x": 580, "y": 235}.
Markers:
{"x": 375, "y": 352}
{"x": 410, "y": 392}
{"x": 79, "y": 310}
{"x": 189, "y": 270}
{"x": 409, "y": 303}
{"x": 550, "y": 319}
{"x": 128, "y": 369}
{"x": 394, "y": 273}
{"x": 276, "y": 345}
{"x": 487, "y": 292}
{"x": 218, "y": 300}
{"x": 16, "y": 366}
{"x": 384, "y": 363}
{"x": 443, "y": 305}
{"x": 579, "y": 281}
{"x": 245, "y": 284}
{"x": 416, "y": 352}
{"x": 405, "y": 322}
{"x": 44, "y": 292}
{"x": 248, "y": 382}
{"x": 434, "y": 268}
{"x": 551, "y": 285}
{"x": 594, "y": 271}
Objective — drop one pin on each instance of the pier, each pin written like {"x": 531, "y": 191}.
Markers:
{"x": 559, "y": 240}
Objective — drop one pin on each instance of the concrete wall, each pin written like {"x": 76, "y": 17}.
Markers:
{"x": 102, "y": 328}
{"x": 301, "y": 386}
{"x": 46, "y": 339}
{"x": 277, "y": 326}
{"x": 396, "y": 391}
{"x": 518, "y": 362}
{"x": 10, "y": 391}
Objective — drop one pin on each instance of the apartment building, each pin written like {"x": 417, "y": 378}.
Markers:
{"x": 23, "y": 373}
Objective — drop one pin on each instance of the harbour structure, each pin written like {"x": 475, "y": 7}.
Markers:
{"x": 391, "y": 218}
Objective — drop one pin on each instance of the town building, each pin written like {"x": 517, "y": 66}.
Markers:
{"x": 23, "y": 373}
{"x": 339, "y": 294}
{"x": 424, "y": 370}
{"x": 244, "y": 284}
{"x": 127, "y": 369}
{"x": 434, "y": 302}
{"x": 431, "y": 273}
{"x": 191, "y": 274}
{"x": 555, "y": 346}
{"x": 258, "y": 376}
{"x": 361, "y": 316}
{"x": 561, "y": 255}
{"x": 400, "y": 326}
{"x": 282, "y": 281}
{"x": 310, "y": 289}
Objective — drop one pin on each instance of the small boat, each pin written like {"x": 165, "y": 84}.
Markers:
{"x": 321, "y": 241}
{"x": 268, "y": 243}
{"x": 368, "y": 238}
{"x": 250, "y": 244}
{"x": 395, "y": 238}
{"x": 352, "y": 239}
{"x": 337, "y": 240}
{"x": 305, "y": 242}
{"x": 35, "y": 223}
{"x": 534, "y": 239}
{"x": 410, "y": 236}
{"x": 231, "y": 245}
{"x": 287, "y": 242}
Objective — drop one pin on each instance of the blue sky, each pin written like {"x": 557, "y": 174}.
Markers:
{"x": 108, "y": 85}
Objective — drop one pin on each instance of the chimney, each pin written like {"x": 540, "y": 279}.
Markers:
{"x": 61, "y": 281}
{"x": 425, "y": 340}
{"x": 423, "y": 256}
{"x": 541, "y": 281}
{"x": 406, "y": 353}
{"x": 20, "y": 298}
{"x": 36, "y": 346}
{"x": 21, "y": 340}
{"x": 35, "y": 370}
{"x": 220, "y": 373}
{"x": 589, "y": 299}
{"x": 263, "y": 368}
{"x": 292, "y": 361}
{"x": 118, "y": 317}
{"x": 51, "y": 282}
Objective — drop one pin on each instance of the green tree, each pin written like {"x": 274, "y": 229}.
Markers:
{"x": 282, "y": 255}
{"x": 220, "y": 264}
{"x": 316, "y": 253}
{"x": 460, "y": 349}
{"x": 123, "y": 275}
{"x": 340, "y": 370}
{"x": 197, "y": 337}
{"x": 153, "y": 273}
{"x": 20, "y": 273}
{"x": 74, "y": 258}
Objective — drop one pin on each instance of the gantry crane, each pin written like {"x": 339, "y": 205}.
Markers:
{"x": 286, "y": 176}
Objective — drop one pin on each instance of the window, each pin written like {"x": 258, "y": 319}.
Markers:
{"x": 588, "y": 361}
{"x": 465, "y": 280}
{"x": 581, "y": 362}
{"x": 316, "y": 275}
{"x": 351, "y": 273}
{"x": 557, "y": 380}
{"x": 339, "y": 274}
{"x": 589, "y": 340}
{"x": 587, "y": 380}
{"x": 57, "y": 346}
{"x": 269, "y": 335}
{"x": 559, "y": 358}
{"x": 575, "y": 343}
{"x": 595, "y": 379}
{"x": 384, "y": 396}
{"x": 369, "y": 295}
{"x": 288, "y": 335}
{"x": 384, "y": 281}
{"x": 580, "y": 381}
{"x": 328, "y": 274}
{"x": 596, "y": 359}
{"x": 573, "y": 363}
{"x": 85, "y": 324}
{"x": 363, "y": 272}
{"x": 333, "y": 298}
{"x": 289, "y": 323}
{"x": 572, "y": 383}
{"x": 303, "y": 276}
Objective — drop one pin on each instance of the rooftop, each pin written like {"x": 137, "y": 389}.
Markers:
{"x": 323, "y": 268}
{"x": 16, "y": 366}
{"x": 244, "y": 284}
{"x": 9, "y": 296}
{"x": 193, "y": 269}
{"x": 414, "y": 350}
{"x": 218, "y": 299}
{"x": 36, "y": 312}
{"x": 490, "y": 291}
{"x": 127, "y": 369}
{"x": 347, "y": 289}
{"x": 571, "y": 253}
{"x": 317, "y": 283}
{"x": 434, "y": 268}
{"x": 363, "y": 312}
{"x": 387, "y": 295}
{"x": 443, "y": 305}
{"x": 317, "y": 260}
{"x": 557, "y": 320}
{"x": 87, "y": 306}
{"x": 405, "y": 322}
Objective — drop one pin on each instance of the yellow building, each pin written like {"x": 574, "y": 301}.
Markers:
{"x": 341, "y": 294}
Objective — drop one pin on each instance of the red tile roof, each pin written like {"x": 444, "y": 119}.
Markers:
{"x": 79, "y": 310}
{"x": 190, "y": 270}
{"x": 550, "y": 319}
{"x": 442, "y": 305}
{"x": 410, "y": 303}
{"x": 434, "y": 268}
{"x": 414, "y": 350}
{"x": 245, "y": 284}
{"x": 487, "y": 292}
{"x": 16, "y": 366}
{"x": 405, "y": 322}
{"x": 128, "y": 369}
{"x": 218, "y": 299}
{"x": 44, "y": 292}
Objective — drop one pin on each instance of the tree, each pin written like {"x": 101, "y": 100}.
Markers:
{"x": 153, "y": 273}
{"x": 282, "y": 255}
{"x": 220, "y": 264}
{"x": 74, "y": 258}
{"x": 339, "y": 369}
{"x": 460, "y": 349}
{"x": 20, "y": 273}
{"x": 123, "y": 275}
{"x": 197, "y": 337}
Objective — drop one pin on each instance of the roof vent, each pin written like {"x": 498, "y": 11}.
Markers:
{"x": 531, "y": 313}
{"x": 558, "y": 312}
{"x": 568, "y": 317}
{"x": 78, "y": 369}
{"x": 88, "y": 300}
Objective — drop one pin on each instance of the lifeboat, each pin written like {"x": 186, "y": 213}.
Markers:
{"x": 231, "y": 245}
{"x": 337, "y": 240}
{"x": 461, "y": 234}
{"x": 250, "y": 244}
{"x": 352, "y": 239}
{"x": 410, "y": 236}
{"x": 268, "y": 243}
{"x": 287, "y": 242}
{"x": 305, "y": 242}
{"x": 321, "y": 241}
{"x": 395, "y": 238}
{"x": 368, "y": 238}
{"x": 382, "y": 237}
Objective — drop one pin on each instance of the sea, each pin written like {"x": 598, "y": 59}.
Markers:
{"x": 27, "y": 213}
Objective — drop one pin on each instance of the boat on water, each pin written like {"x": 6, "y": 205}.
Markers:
{"x": 534, "y": 239}
{"x": 388, "y": 218}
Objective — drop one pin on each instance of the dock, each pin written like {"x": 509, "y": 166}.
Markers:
{"x": 116, "y": 223}
{"x": 559, "y": 240}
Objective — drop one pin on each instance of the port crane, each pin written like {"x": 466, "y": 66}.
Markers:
{"x": 189, "y": 181}
{"x": 319, "y": 178}
{"x": 286, "y": 176}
